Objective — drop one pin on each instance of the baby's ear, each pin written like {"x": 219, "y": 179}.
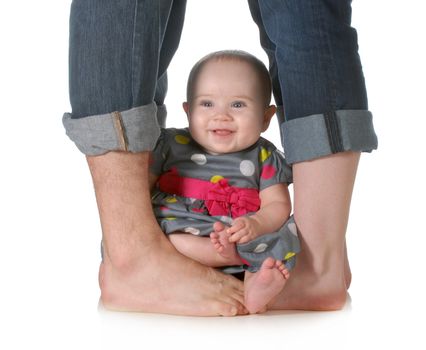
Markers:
{"x": 185, "y": 106}
{"x": 269, "y": 113}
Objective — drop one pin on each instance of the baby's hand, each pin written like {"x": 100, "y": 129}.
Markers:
{"x": 243, "y": 230}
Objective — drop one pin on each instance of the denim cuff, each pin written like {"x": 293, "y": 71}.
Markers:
{"x": 134, "y": 130}
{"x": 320, "y": 135}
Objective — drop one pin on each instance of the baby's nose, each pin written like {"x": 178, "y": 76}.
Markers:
{"x": 223, "y": 115}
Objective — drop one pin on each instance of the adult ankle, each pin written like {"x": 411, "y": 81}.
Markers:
{"x": 330, "y": 292}
{"x": 122, "y": 258}
{"x": 125, "y": 258}
{"x": 333, "y": 299}
{"x": 325, "y": 285}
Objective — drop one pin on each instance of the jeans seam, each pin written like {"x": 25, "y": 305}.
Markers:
{"x": 333, "y": 131}
{"x": 134, "y": 52}
{"x": 330, "y": 69}
{"x": 308, "y": 137}
{"x": 119, "y": 128}
{"x": 330, "y": 118}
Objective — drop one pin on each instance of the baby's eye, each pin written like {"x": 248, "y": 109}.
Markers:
{"x": 206, "y": 104}
{"x": 238, "y": 104}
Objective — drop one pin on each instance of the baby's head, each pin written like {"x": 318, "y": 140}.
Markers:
{"x": 228, "y": 96}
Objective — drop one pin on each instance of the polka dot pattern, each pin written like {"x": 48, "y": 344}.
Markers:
{"x": 268, "y": 171}
{"x": 289, "y": 255}
{"x": 199, "y": 158}
{"x": 226, "y": 219}
{"x": 264, "y": 154}
{"x": 247, "y": 168}
{"x": 216, "y": 178}
{"x": 182, "y": 139}
{"x": 260, "y": 248}
{"x": 171, "y": 200}
{"x": 292, "y": 228}
{"x": 255, "y": 168}
{"x": 192, "y": 230}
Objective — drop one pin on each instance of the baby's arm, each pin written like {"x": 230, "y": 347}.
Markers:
{"x": 275, "y": 209}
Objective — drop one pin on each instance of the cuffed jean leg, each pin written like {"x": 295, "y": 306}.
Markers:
{"x": 323, "y": 91}
{"x": 118, "y": 59}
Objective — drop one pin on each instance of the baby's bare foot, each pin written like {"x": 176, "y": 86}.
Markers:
{"x": 220, "y": 240}
{"x": 261, "y": 287}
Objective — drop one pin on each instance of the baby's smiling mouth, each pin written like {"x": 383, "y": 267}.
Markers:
{"x": 222, "y": 132}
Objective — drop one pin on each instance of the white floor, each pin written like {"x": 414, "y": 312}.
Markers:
{"x": 50, "y": 232}
{"x": 385, "y": 320}
{"x": 371, "y": 326}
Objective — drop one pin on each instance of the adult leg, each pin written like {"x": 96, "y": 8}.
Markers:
{"x": 325, "y": 124}
{"x": 322, "y": 194}
{"x": 118, "y": 62}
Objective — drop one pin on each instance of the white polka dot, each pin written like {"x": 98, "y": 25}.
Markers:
{"x": 260, "y": 248}
{"x": 192, "y": 230}
{"x": 199, "y": 158}
{"x": 227, "y": 220}
{"x": 247, "y": 168}
{"x": 292, "y": 228}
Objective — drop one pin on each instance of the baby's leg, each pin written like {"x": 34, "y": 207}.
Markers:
{"x": 200, "y": 249}
{"x": 262, "y": 286}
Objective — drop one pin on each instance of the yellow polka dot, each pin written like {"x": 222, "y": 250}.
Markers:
{"x": 171, "y": 200}
{"x": 170, "y": 218}
{"x": 264, "y": 154}
{"x": 216, "y": 178}
{"x": 181, "y": 139}
{"x": 289, "y": 255}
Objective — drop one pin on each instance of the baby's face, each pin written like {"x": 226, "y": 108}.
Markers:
{"x": 227, "y": 113}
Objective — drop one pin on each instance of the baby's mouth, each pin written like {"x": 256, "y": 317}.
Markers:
{"x": 222, "y": 132}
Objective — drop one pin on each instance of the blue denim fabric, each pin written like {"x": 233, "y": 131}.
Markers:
{"x": 317, "y": 76}
{"x": 120, "y": 51}
{"x": 315, "y": 51}
{"x": 118, "y": 57}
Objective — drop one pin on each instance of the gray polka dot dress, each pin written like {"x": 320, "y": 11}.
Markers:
{"x": 195, "y": 189}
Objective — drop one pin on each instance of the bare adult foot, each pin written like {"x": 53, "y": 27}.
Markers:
{"x": 261, "y": 287}
{"x": 164, "y": 281}
{"x": 220, "y": 240}
{"x": 322, "y": 194}
{"x": 141, "y": 270}
{"x": 312, "y": 290}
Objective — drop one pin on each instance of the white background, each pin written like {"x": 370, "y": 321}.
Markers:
{"x": 49, "y": 227}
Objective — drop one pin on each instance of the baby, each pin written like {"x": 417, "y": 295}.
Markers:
{"x": 220, "y": 189}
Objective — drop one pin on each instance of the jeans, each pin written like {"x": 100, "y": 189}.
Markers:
{"x": 120, "y": 51}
